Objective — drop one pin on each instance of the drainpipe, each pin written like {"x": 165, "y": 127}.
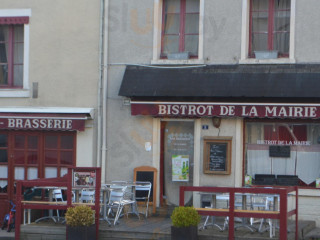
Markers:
{"x": 103, "y": 89}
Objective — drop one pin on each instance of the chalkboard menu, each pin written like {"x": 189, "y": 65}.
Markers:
{"x": 217, "y": 156}
{"x": 279, "y": 151}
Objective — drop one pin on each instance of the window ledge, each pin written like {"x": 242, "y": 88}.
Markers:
{"x": 14, "y": 93}
{"x": 177, "y": 62}
{"x": 267, "y": 61}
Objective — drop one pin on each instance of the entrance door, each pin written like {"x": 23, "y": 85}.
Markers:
{"x": 176, "y": 164}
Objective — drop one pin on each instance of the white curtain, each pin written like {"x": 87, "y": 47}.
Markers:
{"x": 4, "y": 33}
{"x": 51, "y": 172}
{"x": 282, "y": 25}
{"x": 304, "y": 161}
{"x": 32, "y": 173}
{"x": 18, "y": 55}
{"x": 19, "y": 173}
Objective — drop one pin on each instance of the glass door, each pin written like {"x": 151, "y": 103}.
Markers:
{"x": 178, "y": 148}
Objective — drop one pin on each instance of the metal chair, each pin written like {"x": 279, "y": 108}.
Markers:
{"x": 142, "y": 193}
{"x": 116, "y": 202}
{"x": 87, "y": 196}
{"x": 58, "y": 197}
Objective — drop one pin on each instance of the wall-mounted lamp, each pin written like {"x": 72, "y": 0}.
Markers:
{"x": 216, "y": 122}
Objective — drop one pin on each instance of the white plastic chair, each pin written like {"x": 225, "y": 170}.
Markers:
{"x": 142, "y": 193}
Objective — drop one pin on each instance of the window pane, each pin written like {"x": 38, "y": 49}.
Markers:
{"x": 282, "y": 4}
{"x": 32, "y": 173}
{"x": 3, "y": 186}
{"x": 19, "y": 173}
{"x": 32, "y": 157}
{"x": 172, "y": 6}
{"x": 171, "y": 44}
{"x": 18, "y": 33}
{"x": 172, "y": 24}
{"x": 260, "y": 5}
{"x": 63, "y": 171}
{"x": 19, "y": 157}
{"x": 4, "y": 171}
{"x": 66, "y": 158}
{"x": 19, "y": 142}
{"x": 50, "y": 172}
{"x": 51, "y": 142}
{"x": 282, "y": 21}
{"x": 51, "y": 157}
{"x": 259, "y": 42}
{"x": 281, "y": 42}
{"x": 3, "y": 156}
{"x": 192, "y": 23}
{"x": 67, "y": 142}
{"x": 18, "y": 75}
{"x": 3, "y": 140}
{"x": 191, "y": 44}
{"x": 3, "y": 73}
{"x": 18, "y": 52}
{"x": 260, "y": 22}
{"x": 4, "y": 33}
{"x": 32, "y": 142}
{"x": 301, "y": 139}
{"x": 192, "y": 6}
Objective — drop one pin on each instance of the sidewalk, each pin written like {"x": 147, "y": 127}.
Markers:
{"x": 4, "y": 235}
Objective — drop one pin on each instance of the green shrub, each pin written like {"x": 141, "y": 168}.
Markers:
{"x": 185, "y": 217}
{"x": 80, "y": 216}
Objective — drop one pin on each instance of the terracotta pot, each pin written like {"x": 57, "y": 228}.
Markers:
{"x": 81, "y": 232}
{"x": 184, "y": 233}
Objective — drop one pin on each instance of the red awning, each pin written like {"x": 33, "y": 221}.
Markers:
{"x": 246, "y": 110}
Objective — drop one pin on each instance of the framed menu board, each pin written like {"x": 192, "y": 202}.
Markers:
{"x": 217, "y": 155}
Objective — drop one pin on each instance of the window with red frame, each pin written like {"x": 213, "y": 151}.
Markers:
{"x": 180, "y": 27}
{"x": 270, "y": 26}
{"x": 11, "y": 55}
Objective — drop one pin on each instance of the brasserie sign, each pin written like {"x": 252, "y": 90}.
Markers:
{"x": 226, "y": 110}
{"x": 42, "y": 124}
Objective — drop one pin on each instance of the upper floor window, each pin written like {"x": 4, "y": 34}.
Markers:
{"x": 180, "y": 27}
{"x": 270, "y": 26}
{"x": 12, "y": 51}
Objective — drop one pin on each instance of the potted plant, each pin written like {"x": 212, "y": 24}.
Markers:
{"x": 80, "y": 223}
{"x": 185, "y": 222}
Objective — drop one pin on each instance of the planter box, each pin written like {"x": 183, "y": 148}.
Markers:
{"x": 81, "y": 233}
{"x": 266, "y": 54}
{"x": 184, "y": 233}
{"x": 179, "y": 56}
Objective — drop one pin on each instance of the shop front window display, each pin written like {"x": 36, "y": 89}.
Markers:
{"x": 282, "y": 153}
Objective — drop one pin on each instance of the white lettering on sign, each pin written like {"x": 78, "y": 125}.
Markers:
{"x": 187, "y": 110}
{"x": 231, "y": 110}
{"x": 39, "y": 123}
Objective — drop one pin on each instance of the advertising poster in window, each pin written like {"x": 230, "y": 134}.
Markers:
{"x": 84, "y": 179}
{"x": 180, "y": 168}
